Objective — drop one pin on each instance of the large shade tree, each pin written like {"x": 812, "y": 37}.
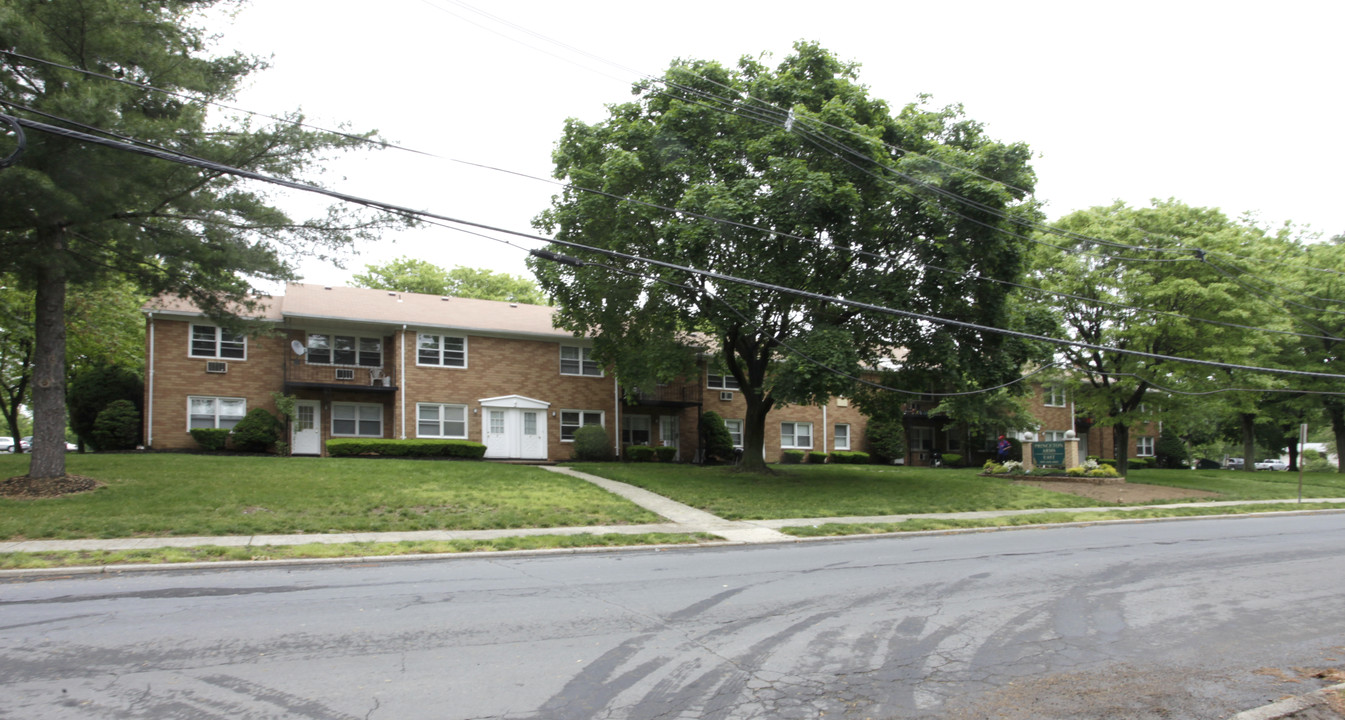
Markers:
{"x": 794, "y": 176}
{"x": 72, "y": 212}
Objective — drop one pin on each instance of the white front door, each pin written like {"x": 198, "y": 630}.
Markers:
{"x": 668, "y": 433}
{"x": 306, "y": 433}
{"x": 514, "y": 427}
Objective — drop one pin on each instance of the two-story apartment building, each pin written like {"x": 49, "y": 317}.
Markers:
{"x": 372, "y": 363}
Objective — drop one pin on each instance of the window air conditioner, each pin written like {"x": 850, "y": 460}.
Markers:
{"x": 726, "y": 396}
{"x": 345, "y": 373}
{"x": 216, "y": 366}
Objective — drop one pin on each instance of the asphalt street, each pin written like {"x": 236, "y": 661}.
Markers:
{"x": 1196, "y": 619}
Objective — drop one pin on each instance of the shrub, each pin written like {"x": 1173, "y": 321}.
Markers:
{"x": 718, "y": 443}
{"x": 791, "y": 457}
{"x": 591, "y": 444}
{"x": 257, "y": 431}
{"x": 117, "y": 427}
{"x": 1170, "y": 452}
{"x": 639, "y": 453}
{"x": 850, "y": 457}
{"x": 212, "y": 439}
{"x": 1137, "y": 463}
{"x": 1318, "y": 464}
{"x": 1013, "y": 467}
{"x": 1075, "y": 471}
{"x": 886, "y": 440}
{"x": 952, "y": 459}
{"x": 1103, "y": 470}
{"x": 351, "y": 447}
{"x": 93, "y": 389}
{"x": 1105, "y": 461}
{"x": 665, "y": 453}
{"x": 992, "y": 468}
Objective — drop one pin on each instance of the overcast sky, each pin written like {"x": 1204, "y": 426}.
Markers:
{"x": 1233, "y": 104}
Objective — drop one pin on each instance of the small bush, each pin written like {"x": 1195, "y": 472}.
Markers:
{"x": 817, "y": 458}
{"x": 1075, "y": 471}
{"x": 351, "y": 447}
{"x": 850, "y": 457}
{"x": 639, "y": 453}
{"x": 992, "y": 468}
{"x": 1103, "y": 470}
{"x": 1109, "y": 462}
{"x": 886, "y": 440}
{"x": 117, "y": 427}
{"x": 257, "y": 431}
{"x": 665, "y": 453}
{"x": 212, "y": 439}
{"x": 952, "y": 459}
{"x": 1137, "y": 463}
{"x": 718, "y": 442}
{"x": 591, "y": 444}
{"x": 791, "y": 457}
{"x": 1170, "y": 452}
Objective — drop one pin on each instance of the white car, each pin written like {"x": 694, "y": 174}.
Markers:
{"x": 1272, "y": 465}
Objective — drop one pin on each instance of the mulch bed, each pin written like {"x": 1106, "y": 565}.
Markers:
{"x": 26, "y": 488}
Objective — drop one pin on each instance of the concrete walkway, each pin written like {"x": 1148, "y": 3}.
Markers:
{"x": 681, "y": 519}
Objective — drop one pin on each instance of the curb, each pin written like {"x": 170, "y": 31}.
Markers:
{"x": 1288, "y": 707}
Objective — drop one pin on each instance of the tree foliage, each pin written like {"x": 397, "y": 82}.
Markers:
{"x": 93, "y": 389}
{"x": 76, "y": 213}
{"x": 117, "y": 427}
{"x": 796, "y": 177}
{"x": 419, "y": 276}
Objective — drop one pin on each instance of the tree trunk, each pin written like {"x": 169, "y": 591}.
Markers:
{"x": 1248, "y": 441}
{"x": 48, "y": 453}
{"x": 1121, "y": 447}
{"x": 1293, "y": 452}
{"x": 754, "y": 433}
{"x": 1336, "y": 411}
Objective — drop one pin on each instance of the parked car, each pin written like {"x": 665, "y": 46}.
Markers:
{"x": 1233, "y": 463}
{"x": 6, "y": 444}
{"x": 1273, "y": 464}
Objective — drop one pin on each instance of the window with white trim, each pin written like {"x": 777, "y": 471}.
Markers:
{"x": 572, "y": 420}
{"x": 441, "y": 420}
{"x": 921, "y": 438}
{"x": 735, "y": 431}
{"x": 1144, "y": 446}
{"x": 214, "y": 412}
{"x": 209, "y": 341}
{"x": 328, "y": 349}
{"x": 1052, "y": 435}
{"x": 841, "y": 434}
{"x": 575, "y": 360}
{"x": 797, "y": 435}
{"x": 357, "y": 420}
{"x": 1053, "y": 396}
{"x": 720, "y": 381}
{"x": 441, "y": 350}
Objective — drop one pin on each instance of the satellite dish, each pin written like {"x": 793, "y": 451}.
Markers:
{"x": 298, "y": 347}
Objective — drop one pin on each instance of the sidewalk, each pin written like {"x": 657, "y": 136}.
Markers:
{"x": 681, "y": 519}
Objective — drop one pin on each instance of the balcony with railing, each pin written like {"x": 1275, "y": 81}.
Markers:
{"x": 301, "y": 374}
{"x": 664, "y": 395}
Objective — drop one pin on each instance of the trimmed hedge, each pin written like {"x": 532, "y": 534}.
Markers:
{"x": 792, "y": 457}
{"x": 952, "y": 459}
{"x": 1137, "y": 463}
{"x": 212, "y": 439}
{"x": 850, "y": 457}
{"x": 639, "y": 453}
{"x": 817, "y": 458}
{"x": 351, "y": 447}
{"x": 665, "y": 453}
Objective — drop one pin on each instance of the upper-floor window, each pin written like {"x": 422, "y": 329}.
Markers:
{"x": 443, "y": 350}
{"x": 1053, "y": 396}
{"x": 575, "y": 360}
{"x": 716, "y": 381}
{"x": 328, "y": 349}
{"x": 1052, "y": 435}
{"x": 209, "y": 341}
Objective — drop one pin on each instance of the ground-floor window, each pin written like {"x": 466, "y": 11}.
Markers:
{"x": 922, "y": 438}
{"x": 215, "y": 412}
{"x": 796, "y": 435}
{"x": 357, "y": 420}
{"x": 572, "y": 420}
{"x": 437, "y": 420}
{"x": 636, "y": 430}
{"x": 842, "y": 435}
{"x": 1144, "y": 446}
{"x": 735, "y": 428}
{"x": 1052, "y": 435}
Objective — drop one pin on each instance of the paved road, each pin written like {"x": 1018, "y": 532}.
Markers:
{"x": 1194, "y": 619}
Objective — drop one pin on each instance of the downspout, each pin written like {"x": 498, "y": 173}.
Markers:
{"x": 616, "y": 413}
{"x": 402, "y": 381}
{"x": 149, "y": 388}
{"x": 824, "y": 426}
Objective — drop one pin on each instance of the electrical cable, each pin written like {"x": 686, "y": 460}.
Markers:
{"x": 722, "y": 277}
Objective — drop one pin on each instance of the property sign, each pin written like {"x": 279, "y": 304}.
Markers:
{"x": 1048, "y": 454}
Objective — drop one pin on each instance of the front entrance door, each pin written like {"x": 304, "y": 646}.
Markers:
{"x": 514, "y": 427}
{"x": 668, "y": 433}
{"x": 306, "y": 433}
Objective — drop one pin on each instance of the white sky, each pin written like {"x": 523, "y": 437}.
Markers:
{"x": 1232, "y": 104}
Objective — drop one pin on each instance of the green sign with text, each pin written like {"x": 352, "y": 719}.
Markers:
{"x": 1048, "y": 454}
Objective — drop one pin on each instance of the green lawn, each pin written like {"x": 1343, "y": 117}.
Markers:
{"x": 178, "y": 494}
{"x": 812, "y": 491}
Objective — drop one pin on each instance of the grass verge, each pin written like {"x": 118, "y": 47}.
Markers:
{"x": 217, "y": 553}
{"x": 1046, "y": 518}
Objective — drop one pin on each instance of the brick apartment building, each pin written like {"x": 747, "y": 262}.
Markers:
{"x": 372, "y": 363}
